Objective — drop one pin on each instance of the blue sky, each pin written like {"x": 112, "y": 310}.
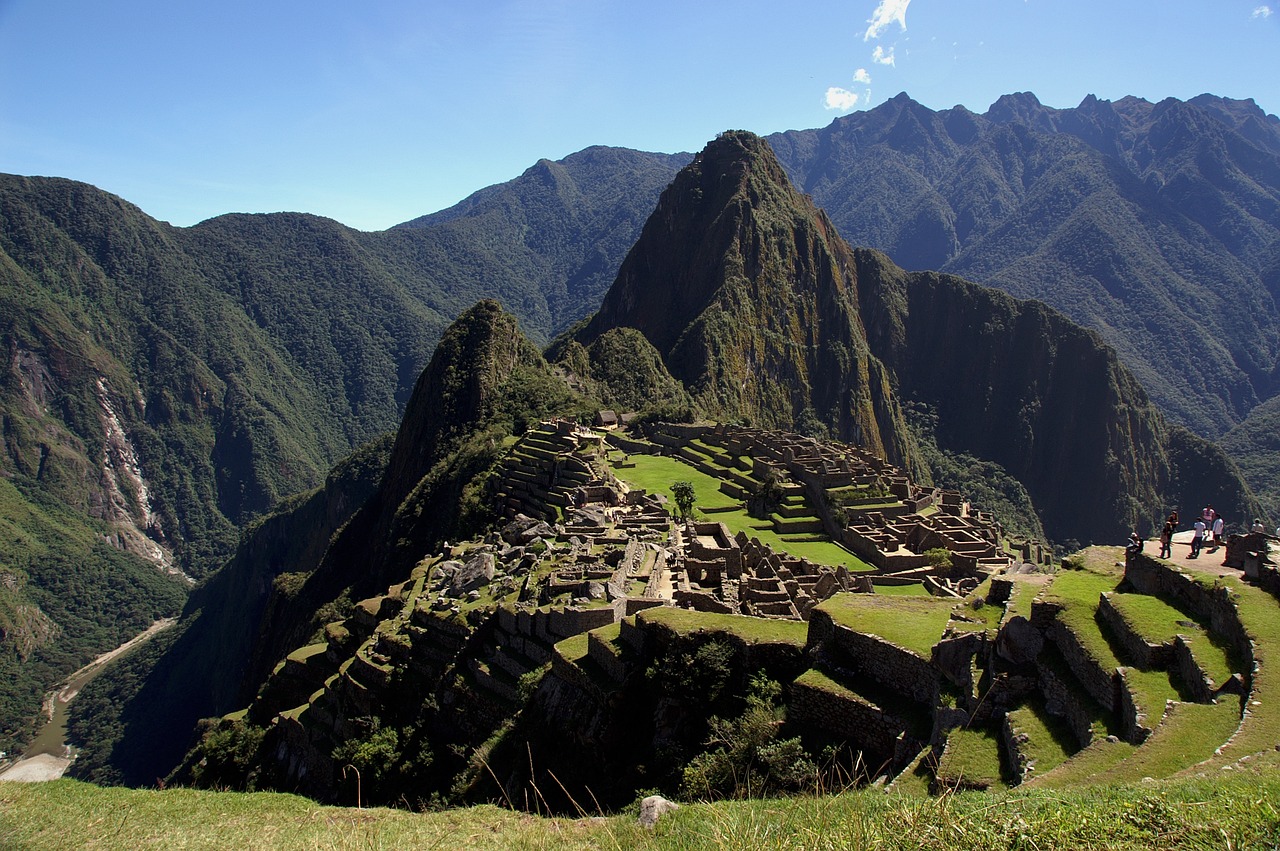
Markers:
{"x": 374, "y": 113}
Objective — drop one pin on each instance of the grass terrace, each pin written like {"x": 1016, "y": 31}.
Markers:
{"x": 1021, "y": 597}
{"x": 972, "y": 758}
{"x": 1188, "y": 735}
{"x": 1093, "y": 763}
{"x": 1078, "y": 591}
{"x": 1048, "y": 743}
{"x": 910, "y": 589}
{"x": 655, "y": 473}
{"x": 1260, "y": 728}
{"x": 749, "y": 629}
{"x": 914, "y": 623}
{"x": 1158, "y": 622}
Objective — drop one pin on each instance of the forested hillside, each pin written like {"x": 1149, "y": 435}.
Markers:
{"x": 1157, "y": 225}
{"x": 163, "y": 386}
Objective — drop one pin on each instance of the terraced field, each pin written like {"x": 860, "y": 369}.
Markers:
{"x": 656, "y": 473}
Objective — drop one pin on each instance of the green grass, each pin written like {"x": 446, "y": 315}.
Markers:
{"x": 1158, "y": 623}
{"x": 1232, "y": 812}
{"x": 912, "y": 589}
{"x": 972, "y": 757}
{"x": 1048, "y": 739}
{"x": 1093, "y": 762}
{"x": 753, "y": 630}
{"x": 915, "y": 623}
{"x": 1022, "y": 595}
{"x": 655, "y": 473}
{"x": 1189, "y": 734}
{"x": 573, "y": 649}
{"x": 302, "y": 654}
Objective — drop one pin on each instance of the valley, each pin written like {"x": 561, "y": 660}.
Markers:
{"x": 696, "y": 497}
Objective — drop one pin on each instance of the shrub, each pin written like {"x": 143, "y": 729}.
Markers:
{"x": 745, "y": 757}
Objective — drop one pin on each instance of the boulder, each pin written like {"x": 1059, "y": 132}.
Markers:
{"x": 475, "y": 574}
{"x": 1018, "y": 642}
{"x": 655, "y": 807}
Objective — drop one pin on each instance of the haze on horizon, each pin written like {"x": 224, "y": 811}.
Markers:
{"x": 376, "y": 115}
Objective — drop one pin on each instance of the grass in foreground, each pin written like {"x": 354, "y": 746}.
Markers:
{"x": 1239, "y": 812}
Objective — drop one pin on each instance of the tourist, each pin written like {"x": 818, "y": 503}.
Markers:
{"x": 1197, "y": 538}
{"x": 1207, "y": 514}
{"x": 1218, "y": 526}
{"x": 1166, "y": 537}
{"x": 1258, "y": 527}
{"x": 1175, "y": 519}
{"x": 1135, "y": 543}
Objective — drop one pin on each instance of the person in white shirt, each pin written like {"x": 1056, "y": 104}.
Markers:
{"x": 1197, "y": 539}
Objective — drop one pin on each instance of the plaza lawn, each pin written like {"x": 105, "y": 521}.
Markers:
{"x": 655, "y": 473}
{"x": 910, "y": 589}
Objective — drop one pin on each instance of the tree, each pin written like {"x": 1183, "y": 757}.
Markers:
{"x": 940, "y": 558}
{"x": 685, "y": 498}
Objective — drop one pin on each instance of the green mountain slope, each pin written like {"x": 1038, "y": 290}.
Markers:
{"x": 1150, "y": 223}
{"x": 556, "y": 233}
{"x": 745, "y": 289}
{"x": 764, "y": 312}
{"x": 170, "y": 384}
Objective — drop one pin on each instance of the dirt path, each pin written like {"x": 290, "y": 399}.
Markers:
{"x": 47, "y": 756}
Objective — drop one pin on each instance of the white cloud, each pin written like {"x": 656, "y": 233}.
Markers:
{"x": 886, "y": 13}
{"x": 1261, "y": 12}
{"x": 861, "y": 76}
{"x": 881, "y": 56}
{"x": 838, "y": 98}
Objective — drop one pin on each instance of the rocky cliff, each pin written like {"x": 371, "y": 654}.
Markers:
{"x": 748, "y": 293}
{"x": 765, "y": 313}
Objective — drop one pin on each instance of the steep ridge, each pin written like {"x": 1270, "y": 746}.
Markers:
{"x": 763, "y": 311}
{"x": 1153, "y": 224}
{"x": 746, "y": 291}
{"x": 379, "y": 511}
{"x": 559, "y": 230}
{"x": 133, "y": 725}
{"x": 484, "y": 381}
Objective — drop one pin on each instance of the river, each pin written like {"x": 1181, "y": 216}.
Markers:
{"x": 48, "y": 756}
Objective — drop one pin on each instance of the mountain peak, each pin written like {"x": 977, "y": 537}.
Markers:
{"x": 749, "y": 296}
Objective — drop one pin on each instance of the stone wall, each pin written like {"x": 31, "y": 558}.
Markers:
{"x": 1207, "y": 603}
{"x": 1063, "y": 702}
{"x": 892, "y": 666}
{"x": 603, "y": 654}
{"x": 1097, "y": 680}
{"x": 1143, "y": 653}
{"x": 819, "y": 703}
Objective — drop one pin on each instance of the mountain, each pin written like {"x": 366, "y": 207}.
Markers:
{"x": 164, "y": 386}
{"x": 300, "y": 567}
{"x": 1157, "y": 225}
{"x": 558, "y": 231}
{"x": 373, "y": 644}
{"x": 767, "y": 315}
{"x": 746, "y": 291}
